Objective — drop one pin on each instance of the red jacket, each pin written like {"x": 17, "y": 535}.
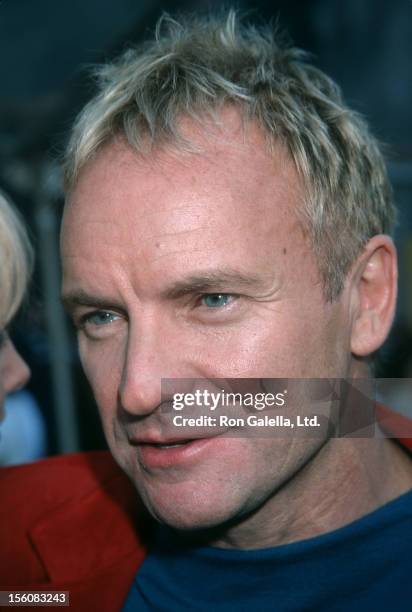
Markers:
{"x": 69, "y": 523}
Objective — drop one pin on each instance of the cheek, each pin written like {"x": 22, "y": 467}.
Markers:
{"x": 270, "y": 344}
{"x": 295, "y": 341}
{"x": 250, "y": 347}
{"x": 230, "y": 354}
{"x": 102, "y": 363}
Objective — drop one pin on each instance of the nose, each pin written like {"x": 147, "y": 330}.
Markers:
{"x": 15, "y": 371}
{"x": 150, "y": 357}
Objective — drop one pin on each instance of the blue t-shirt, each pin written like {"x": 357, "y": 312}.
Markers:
{"x": 364, "y": 566}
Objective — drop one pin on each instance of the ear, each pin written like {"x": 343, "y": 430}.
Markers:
{"x": 373, "y": 296}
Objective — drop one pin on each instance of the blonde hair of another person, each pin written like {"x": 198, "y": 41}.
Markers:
{"x": 16, "y": 259}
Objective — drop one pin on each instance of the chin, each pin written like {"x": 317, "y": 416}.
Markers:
{"x": 195, "y": 513}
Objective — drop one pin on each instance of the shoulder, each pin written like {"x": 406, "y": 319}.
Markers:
{"x": 55, "y": 516}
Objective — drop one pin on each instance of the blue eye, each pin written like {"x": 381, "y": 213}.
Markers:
{"x": 100, "y": 317}
{"x": 216, "y": 300}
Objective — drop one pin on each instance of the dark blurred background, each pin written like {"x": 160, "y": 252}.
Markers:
{"x": 46, "y": 46}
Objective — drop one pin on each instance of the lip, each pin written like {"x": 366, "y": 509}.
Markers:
{"x": 153, "y": 456}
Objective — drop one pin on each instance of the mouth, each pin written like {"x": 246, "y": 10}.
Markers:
{"x": 170, "y": 444}
{"x": 171, "y": 453}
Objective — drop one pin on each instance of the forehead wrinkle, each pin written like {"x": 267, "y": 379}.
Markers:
{"x": 244, "y": 227}
{"x": 148, "y": 213}
{"x": 173, "y": 233}
{"x": 106, "y": 273}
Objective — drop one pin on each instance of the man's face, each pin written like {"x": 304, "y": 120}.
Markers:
{"x": 145, "y": 242}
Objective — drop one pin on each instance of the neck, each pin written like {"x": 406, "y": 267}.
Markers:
{"x": 348, "y": 478}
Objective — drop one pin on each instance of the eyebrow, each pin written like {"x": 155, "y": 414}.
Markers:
{"x": 79, "y": 297}
{"x": 213, "y": 280}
